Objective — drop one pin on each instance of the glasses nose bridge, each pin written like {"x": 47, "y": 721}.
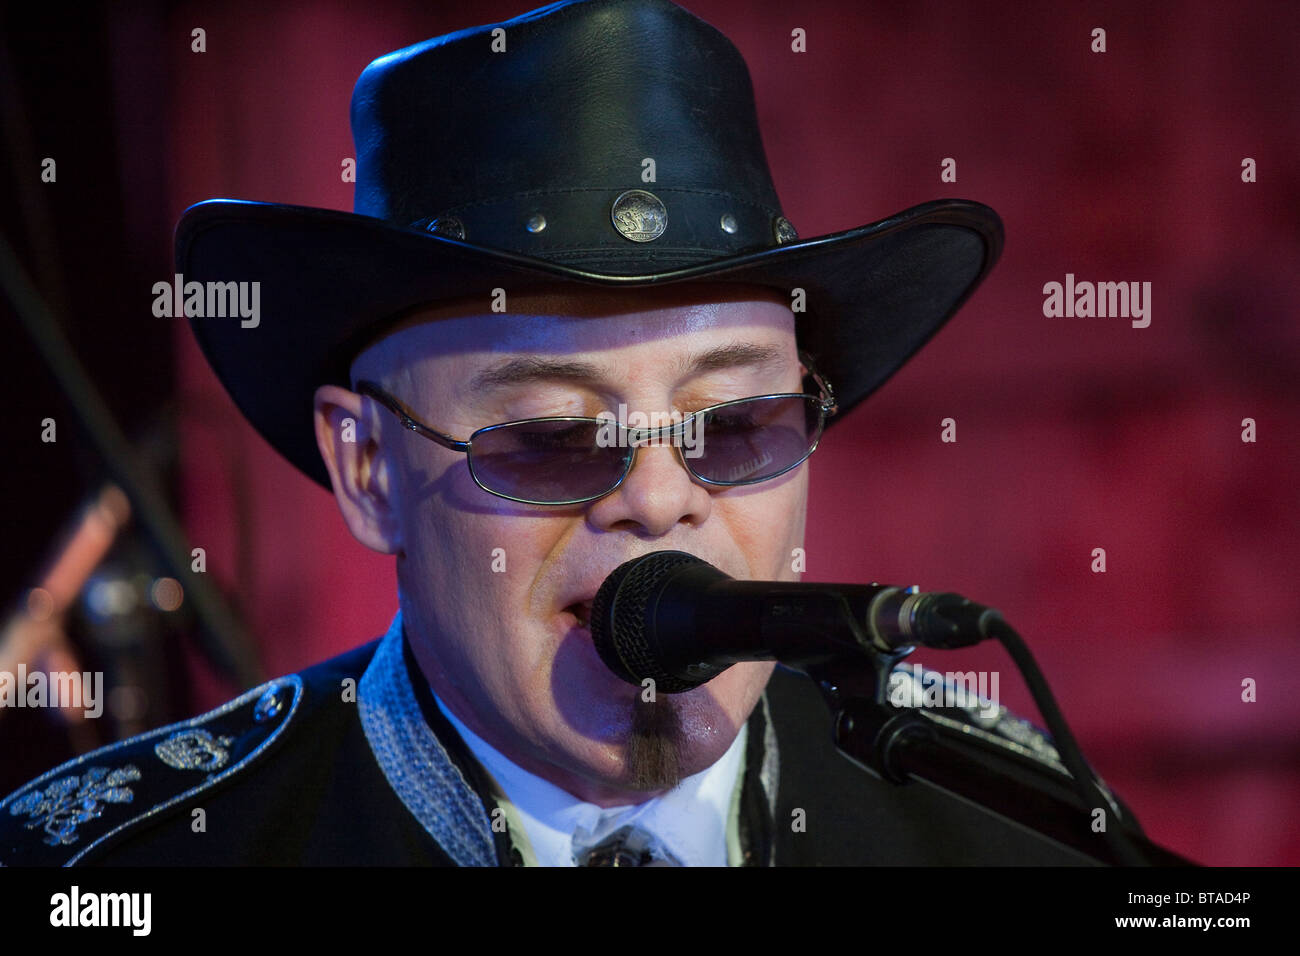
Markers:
{"x": 640, "y": 437}
{"x": 637, "y": 439}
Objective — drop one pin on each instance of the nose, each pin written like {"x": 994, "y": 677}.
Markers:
{"x": 657, "y": 494}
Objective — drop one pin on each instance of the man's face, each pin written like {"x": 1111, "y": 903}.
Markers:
{"x": 488, "y": 586}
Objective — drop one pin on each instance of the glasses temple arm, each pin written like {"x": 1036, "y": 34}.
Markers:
{"x": 828, "y": 393}
{"x": 408, "y": 420}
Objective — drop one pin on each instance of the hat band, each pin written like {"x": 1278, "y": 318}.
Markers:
{"x": 643, "y": 223}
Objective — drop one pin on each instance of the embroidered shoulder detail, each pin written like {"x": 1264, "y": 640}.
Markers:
{"x": 61, "y": 817}
{"x": 968, "y": 701}
{"x": 970, "y": 698}
{"x": 70, "y": 801}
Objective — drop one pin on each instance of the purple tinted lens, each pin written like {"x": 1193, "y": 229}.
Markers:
{"x": 546, "y": 461}
{"x": 757, "y": 439}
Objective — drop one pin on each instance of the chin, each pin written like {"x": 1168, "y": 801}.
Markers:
{"x": 679, "y": 735}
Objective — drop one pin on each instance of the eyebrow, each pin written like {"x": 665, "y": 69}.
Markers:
{"x": 529, "y": 369}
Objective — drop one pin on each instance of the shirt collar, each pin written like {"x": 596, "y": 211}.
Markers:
{"x": 690, "y": 820}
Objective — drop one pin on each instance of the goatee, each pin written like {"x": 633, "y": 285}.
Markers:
{"x": 655, "y": 744}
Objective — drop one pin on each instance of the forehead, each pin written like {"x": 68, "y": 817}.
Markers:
{"x": 567, "y": 320}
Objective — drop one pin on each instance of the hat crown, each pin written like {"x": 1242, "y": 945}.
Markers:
{"x": 522, "y": 135}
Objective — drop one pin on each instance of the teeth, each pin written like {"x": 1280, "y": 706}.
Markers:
{"x": 583, "y": 613}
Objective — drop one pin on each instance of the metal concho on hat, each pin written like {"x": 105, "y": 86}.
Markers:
{"x": 639, "y": 215}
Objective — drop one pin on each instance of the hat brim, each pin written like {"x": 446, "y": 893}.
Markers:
{"x": 331, "y": 280}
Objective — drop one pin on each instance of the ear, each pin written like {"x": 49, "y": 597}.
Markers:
{"x": 360, "y": 469}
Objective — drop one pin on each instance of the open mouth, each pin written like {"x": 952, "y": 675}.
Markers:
{"x": 581, "y": 612}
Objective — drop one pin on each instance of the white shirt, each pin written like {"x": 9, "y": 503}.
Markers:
{"x": 691, "y": 820}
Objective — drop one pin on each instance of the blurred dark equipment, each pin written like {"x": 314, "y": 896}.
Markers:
{"x": 118, "y": 588}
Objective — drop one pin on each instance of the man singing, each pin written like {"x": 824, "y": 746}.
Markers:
{"x": 557, "y": 217}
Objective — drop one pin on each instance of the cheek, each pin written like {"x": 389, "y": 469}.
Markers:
{"x": 456, "y": 540}
{"x": 767, "y": 527}
{"x": 475, "y": 561}
{"x": 473, "y": 576}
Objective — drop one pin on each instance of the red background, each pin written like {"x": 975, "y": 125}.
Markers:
{"x": 1073, "y": 434}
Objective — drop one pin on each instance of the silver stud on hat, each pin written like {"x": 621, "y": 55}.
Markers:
{"x": 639, "y": 215}
{"x": 728, "y": 223}
{"x": 783, "y": 230}
{"x": 535, "y": 223}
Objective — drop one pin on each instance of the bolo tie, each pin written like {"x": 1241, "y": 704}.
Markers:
{"x": 626, "y": 846}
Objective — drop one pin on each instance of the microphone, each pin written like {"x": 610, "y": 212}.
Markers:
{"x": 678, "y": 620}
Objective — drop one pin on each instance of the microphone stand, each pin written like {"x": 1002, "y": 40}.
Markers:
{"x": 899, "y": 744}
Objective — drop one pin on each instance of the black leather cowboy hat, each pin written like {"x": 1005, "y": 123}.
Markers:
{"x": 515, "y": 159}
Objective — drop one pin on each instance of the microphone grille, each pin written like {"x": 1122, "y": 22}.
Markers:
{"x": 618, "y": 619}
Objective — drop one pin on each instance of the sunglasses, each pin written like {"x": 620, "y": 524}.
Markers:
{"x": 571, "y": 460}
